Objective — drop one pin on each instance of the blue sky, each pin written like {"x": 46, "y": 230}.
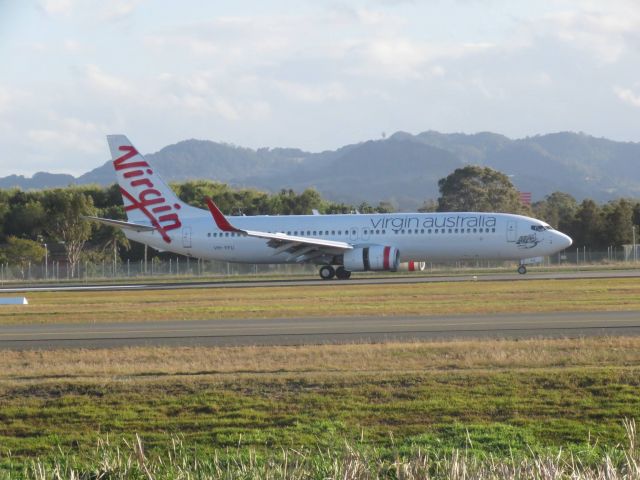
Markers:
{"x": 310, "y": 74}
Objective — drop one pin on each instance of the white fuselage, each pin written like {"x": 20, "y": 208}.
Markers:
{"x": 417, "y": 236}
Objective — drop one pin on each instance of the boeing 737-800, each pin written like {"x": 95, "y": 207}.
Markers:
{"x": 338, "y": 244}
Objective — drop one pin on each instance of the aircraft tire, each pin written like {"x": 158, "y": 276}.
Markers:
{"x": 342, "y": 273}
{"x": 522, "y": 269}
{"x": 327, "y": 272}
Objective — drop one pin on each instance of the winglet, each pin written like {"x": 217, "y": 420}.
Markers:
{"x": 218, "y": 217}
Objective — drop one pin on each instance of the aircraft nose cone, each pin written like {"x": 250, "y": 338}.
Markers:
{"x": 563, "y": 240}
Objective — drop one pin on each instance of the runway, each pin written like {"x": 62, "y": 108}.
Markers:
{"x": 299, "y": 331}
{"x": 355, "y": 280}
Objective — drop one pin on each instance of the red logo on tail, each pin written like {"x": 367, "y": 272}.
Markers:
{"x": 147, "y": 197}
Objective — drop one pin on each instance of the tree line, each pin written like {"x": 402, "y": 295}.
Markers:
{"x": 35, "y": 223}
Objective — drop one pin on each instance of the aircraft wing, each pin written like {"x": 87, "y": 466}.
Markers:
{"x": 301, "y": 248}
{"x": 121, "y": 224}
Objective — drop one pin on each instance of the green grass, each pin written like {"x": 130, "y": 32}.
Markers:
{"x": 332, "y": 299}
{"x": 500, "y": 413}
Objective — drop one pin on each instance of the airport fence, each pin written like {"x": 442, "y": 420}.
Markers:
{"x": 182, "y": 267}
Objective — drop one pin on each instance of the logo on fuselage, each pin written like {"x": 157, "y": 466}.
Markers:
{"x": 528, "y": 241}
{"x": 148, "y": 199}
{"x": 436, "y": 221}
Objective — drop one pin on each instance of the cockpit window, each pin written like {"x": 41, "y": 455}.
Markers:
{"x": 538, "y": 228}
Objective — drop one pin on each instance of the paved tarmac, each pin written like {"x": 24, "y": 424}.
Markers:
{"x": 355, "y": 280}
{"x": 298, "y": 331}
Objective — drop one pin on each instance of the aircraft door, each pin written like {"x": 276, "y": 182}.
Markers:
{"x": 353, "y": 234}
{"x": 512, "y": 230}
{"x": 365, "y": 234}
{"x": 186, "y": 237}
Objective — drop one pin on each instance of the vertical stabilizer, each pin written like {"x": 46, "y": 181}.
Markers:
{"x": 147, "y": 198}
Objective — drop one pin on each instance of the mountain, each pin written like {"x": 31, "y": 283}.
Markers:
{"x": 39, "y": 181}
{"x": 403, "y": 168}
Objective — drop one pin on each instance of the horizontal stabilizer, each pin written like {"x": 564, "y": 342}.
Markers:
{"x": 121, "y": 224}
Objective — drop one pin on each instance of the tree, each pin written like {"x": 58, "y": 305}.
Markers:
{"x": 618, "y": 222}
{"x": 586, "y": 229}
{"x": 478, "y": 189}
{"x": 65, "y": 208}
{"x": 22, "y": 252}
{"x": 557, "y": 209}
{"x": 25, "y": 217}
{"x": 428, "y": 206}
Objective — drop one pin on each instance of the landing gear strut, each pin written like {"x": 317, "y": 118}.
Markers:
{"x": 522, "y": 269}
{"x": 342, "y": 273}
{"x": 327, "y": 272}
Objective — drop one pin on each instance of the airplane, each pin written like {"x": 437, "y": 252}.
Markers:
{"x": 338, "y": 244}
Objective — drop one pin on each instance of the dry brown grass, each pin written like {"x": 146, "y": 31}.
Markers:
{"x": 377, "y": 358}
{"x": 340, "y": 299}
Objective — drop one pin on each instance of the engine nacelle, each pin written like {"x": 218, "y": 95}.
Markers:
{"x": 374, "y": 258}
{"x": 412, "y": 266}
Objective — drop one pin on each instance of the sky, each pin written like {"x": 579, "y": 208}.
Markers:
{"x": 315, "y": 75}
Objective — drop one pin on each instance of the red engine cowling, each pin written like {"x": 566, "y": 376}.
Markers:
{"x": 412, "y": 266}
{"x": 374, "y": 258}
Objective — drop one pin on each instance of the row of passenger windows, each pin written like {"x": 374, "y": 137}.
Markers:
{"x": 320, "y": 233}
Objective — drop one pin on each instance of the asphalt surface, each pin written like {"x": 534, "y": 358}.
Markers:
{"x": 355, "y": 280}
{"x": 297, "y": 331}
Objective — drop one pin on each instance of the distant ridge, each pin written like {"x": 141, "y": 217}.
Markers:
{"x": 403, "y": 168}
{"x": 39, "y": 180}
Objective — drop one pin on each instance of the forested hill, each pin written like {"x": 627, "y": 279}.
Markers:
{"x": 403, "y": 168}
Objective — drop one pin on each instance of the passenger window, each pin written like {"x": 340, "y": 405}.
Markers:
{"x": 333, "y": 232}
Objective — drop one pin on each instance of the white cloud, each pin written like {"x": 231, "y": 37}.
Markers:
{"x": 69, "y": 134}
{"x": 57, "y": 7}
{"x": 312, "y": 93}
{"x": 627, "y": 96}
{"x": 105, "y": 83}
{"x": 608, "y": 35}
{"x": 118, "y": 9}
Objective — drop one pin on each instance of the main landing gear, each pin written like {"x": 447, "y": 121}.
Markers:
{"x": 327, "y": 272}
{"x": 522, "y": 269}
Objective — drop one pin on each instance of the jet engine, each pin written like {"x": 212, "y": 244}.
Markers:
{"x": 412, "y": 266}
{"x": 374, "y": 258}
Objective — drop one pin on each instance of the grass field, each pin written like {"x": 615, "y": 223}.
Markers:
{"x": 327, "y": 300}
{"x": 554, "y": 403}
{"x": 500, "y": 398}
